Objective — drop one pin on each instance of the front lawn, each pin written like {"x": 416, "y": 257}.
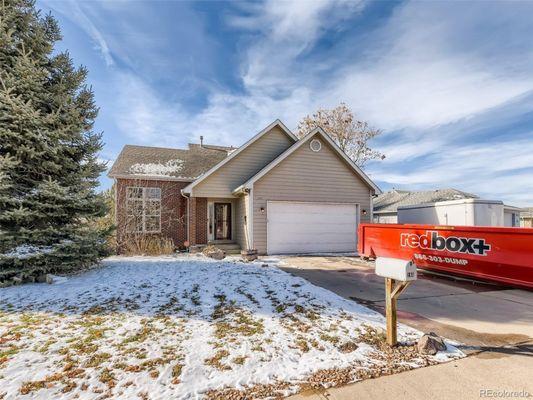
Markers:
{"x": 158, "y": 328}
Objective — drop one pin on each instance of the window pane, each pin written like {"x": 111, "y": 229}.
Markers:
{"x": 134, "y": 207}
{"x": 134, "y": 193}
{"x": 152, "y": 224}
{"x": 153, "y": 208}
{"x": 153, "y": 193}
{"x": 134, "y": 224}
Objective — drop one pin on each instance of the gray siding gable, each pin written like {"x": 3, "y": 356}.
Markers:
{"x": 222, "y": 181}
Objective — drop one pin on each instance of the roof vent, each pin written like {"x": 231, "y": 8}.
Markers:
{"x": 315, "y": 145}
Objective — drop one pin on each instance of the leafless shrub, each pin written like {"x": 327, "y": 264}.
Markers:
{"x": 150, "y": 245}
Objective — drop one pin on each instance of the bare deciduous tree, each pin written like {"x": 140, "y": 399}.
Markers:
{"x": 351, "y": 134}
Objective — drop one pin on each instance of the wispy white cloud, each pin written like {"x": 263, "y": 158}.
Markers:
{"x": 141, "y": 114}
{"x": 426, "y": 70}
{"x": 493, "y": 170}
{"x": 78, "y": 13}
{"x": 282, "y": 32}
{"x": 419, "y": 72}
{"x": 146, "y": 118}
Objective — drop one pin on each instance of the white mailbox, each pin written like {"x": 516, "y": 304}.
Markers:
{"x": 395, "y": 268}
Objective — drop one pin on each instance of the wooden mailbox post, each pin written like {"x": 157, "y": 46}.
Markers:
{"x": 398, "y": 275}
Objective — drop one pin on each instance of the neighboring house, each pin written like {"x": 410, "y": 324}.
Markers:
{"x": 526, "y": 217}
{"x": 275, "y": 193}
{"x": 386, "y": 205}
{"x": 467, "y": 212}
{"x": 511, "y": 216}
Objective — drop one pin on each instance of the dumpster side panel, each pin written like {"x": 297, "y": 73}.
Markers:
{"x": 499, "y": 254}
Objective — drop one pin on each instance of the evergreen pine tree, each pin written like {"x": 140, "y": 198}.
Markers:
{"x": 48, "y": 151}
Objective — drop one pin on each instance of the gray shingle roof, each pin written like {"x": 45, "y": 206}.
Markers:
{"x": 391, "y": 200}
{"x": 165, "y": 162}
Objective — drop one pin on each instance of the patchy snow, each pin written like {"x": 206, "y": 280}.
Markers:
{"x": 169, "y": 168}
{"x": 180, "y": 327}
{"x": 26, "y": 251}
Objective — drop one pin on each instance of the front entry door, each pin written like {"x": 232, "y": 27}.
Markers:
{"x": 222, "y": 221}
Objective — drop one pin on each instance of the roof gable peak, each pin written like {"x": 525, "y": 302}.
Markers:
{"x": 235, "y": 153}
{"x": 317, "y": 131}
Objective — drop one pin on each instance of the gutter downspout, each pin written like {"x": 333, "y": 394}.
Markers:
{"x": 249, "y": 193}
{"x": 246, "y": 192}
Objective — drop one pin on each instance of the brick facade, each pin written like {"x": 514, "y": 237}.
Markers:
{"x": 173, "y": 208}
{"x": 198, "y": 220}
{"x": 173, "y": 211}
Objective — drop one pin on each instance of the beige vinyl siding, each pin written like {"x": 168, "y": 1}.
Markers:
{"x": 241, "y": 218}
{"x": 238, "y": 170}
{"x": 308, "y": 176}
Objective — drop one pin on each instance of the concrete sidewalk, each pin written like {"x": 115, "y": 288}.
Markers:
{"x": 494, "y": 323}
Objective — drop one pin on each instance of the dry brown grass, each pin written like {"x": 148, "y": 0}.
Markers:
{"x": 97, "y": 359}
{"x": 216, "y": 360}
{"x": 239, "y": 360}
{"x": 270, "y": 391}
{"x": 28, "y": 387}
{"x": 150, "y": 245}
{"x": 108, "y": 377}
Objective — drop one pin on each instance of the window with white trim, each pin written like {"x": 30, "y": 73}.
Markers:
{"x": 143, "y": 209}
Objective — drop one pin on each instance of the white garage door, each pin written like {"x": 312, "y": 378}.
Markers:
{"x": 294, "y": 227}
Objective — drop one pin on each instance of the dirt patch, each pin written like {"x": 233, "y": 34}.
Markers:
{"x": 275, "y": 391}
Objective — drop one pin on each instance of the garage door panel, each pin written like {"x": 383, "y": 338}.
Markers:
{"x": 311, "y": 237}
{"x": 303, "y": 230}
{"x": 288, "y": 219}
{"x": 311, "y": 227}
{"x": 344, "y": 223}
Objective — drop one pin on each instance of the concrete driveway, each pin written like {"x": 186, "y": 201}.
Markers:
{"x": 494, "y": 323}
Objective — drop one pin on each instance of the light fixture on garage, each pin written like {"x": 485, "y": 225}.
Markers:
{"x": 262, "y": 209}
{"x": 363, "y": 212}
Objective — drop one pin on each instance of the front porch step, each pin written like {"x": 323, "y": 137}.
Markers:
{"x": 233, "y": 251}
{"x": 229, "y": 248}
{"x": 225, "y": 246}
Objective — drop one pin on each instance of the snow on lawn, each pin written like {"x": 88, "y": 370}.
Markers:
{"x": 189, "y": 327}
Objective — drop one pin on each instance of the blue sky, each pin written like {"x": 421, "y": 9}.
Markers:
{"x": 449, "y": 83}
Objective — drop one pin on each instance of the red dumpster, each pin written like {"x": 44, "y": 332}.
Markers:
{"x": 503, "y": 255}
